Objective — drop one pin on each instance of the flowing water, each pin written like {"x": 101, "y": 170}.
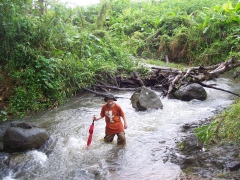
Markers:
{"x": 150, "y": 136}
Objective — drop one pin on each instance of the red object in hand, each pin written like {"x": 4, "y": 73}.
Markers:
{"x": 91, "y": 128}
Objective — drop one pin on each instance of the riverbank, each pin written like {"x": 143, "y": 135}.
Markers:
{"x": 219, "y": 160}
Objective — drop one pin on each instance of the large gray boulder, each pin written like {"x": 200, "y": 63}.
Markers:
{"x": 190, "y": 92}
{"x": 22, "y": 136}
{"x": 144, "y": 99}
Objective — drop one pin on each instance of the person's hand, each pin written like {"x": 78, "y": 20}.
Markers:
{"x": 125, "y": 125}
{"x": 94, "y": 118}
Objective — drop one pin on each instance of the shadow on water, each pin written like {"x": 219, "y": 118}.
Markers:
{"x": 150, "y": 137}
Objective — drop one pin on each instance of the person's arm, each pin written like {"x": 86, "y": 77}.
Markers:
{"x": 97, "y": 118}
{"x": 122, "y": 114}
{"x": 125, "y": 122}
{"x": 100, "y": 116}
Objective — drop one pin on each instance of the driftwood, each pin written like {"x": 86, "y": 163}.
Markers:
{"x": 105, "y": 91}
{"x": 136, "y": 76}
{"x": 116, "y": 88}
{"x": 211, "y": 86}
{"x": 168, "y": 79}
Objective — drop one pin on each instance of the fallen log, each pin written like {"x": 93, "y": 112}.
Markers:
{"x": 211, "y": 86}
{"x": 172, "y": 85}
{"x": 168, "y": 79}
{"x": 116, "y": 88}
{"x": 138, "y": 79}
{"x": 94, "y": 92}
{"x": 202, "y": 73}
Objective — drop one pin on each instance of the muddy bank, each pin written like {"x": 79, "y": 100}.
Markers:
{"x": 220, "y": 160}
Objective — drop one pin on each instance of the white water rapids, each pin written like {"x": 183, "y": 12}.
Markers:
{"x": 150, "y": 137}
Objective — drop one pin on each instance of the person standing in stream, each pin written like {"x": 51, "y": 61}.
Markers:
{"x": 113, "y": 114}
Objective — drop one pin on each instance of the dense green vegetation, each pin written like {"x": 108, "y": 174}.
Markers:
{"x": 224, "y": 128}
{"x": 49, "y": 52}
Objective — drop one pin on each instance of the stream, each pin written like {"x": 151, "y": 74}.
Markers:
{"x": 150, "y": 136}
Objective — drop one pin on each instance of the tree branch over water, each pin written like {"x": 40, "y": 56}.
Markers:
{"x": 169, "y": 80}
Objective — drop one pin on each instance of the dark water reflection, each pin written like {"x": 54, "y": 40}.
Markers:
{"x": 150, "y": 136}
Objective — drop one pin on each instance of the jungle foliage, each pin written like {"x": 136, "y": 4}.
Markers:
{"x": 225, "y": 127}
{"x": 49, "y": 51}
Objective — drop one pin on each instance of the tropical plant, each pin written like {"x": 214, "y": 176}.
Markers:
{"x": 51, "y": 51}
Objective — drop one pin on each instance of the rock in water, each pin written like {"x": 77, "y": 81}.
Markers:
{"x": 144, "y": 99}
{"x": 22, "y": 137}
